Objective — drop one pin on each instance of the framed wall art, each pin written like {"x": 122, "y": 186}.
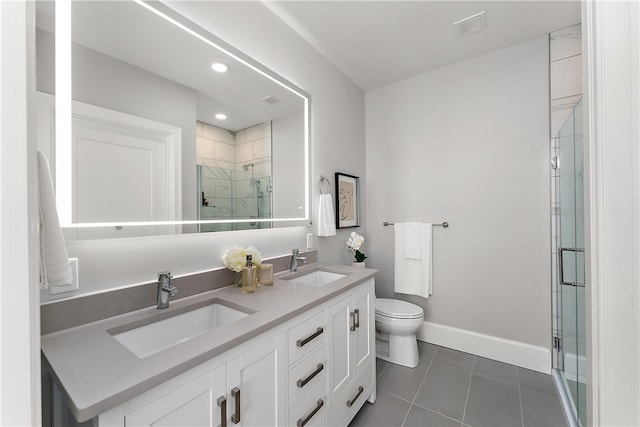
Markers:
{"x": 347, "y": 200}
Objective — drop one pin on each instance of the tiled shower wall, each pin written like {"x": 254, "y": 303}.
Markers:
{"x": 565, "y": 68}
{"x": 223, "y": 153}
{"x": 218, "y": 147}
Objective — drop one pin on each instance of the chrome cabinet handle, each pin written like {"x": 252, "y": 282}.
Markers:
{"x": 222, "y": 403}
{"x": 352, "y": 401}
{"x": 301, "y": 422}
{"x": 235, "y": 392}
{"x": 317, "y": 333}
{"x": 356, "y": 315}
{"x": 302, "y": 383}
{"x": 561, "y": 266}
{"x": 353, "y": 321}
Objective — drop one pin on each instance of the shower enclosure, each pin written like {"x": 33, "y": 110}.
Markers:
{"x": 568, "y": 250}
{"x": 227, "y": 194}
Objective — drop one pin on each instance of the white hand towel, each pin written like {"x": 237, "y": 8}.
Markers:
{"x": 413, "y": 240}
{"x": 413, "y": 276}
{"x": 326, "y": 218}
{"x": 55, "y": 269}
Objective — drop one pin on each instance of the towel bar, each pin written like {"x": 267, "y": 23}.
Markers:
{"x": 443, "y": 225}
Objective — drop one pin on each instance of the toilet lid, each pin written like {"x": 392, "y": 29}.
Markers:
{"x": 398, "y": 309}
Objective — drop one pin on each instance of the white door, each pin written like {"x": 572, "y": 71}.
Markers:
{"x": 122, "y": 168}
{"x": 117, "y": 177}
{"x": 256, "y": 382}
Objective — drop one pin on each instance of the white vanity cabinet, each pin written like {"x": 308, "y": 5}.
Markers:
{"x": 314, "y": 370}
{"x": 351, "y": 351}
{"x": 246, "y": 390}
{"x": 191, "y": 404}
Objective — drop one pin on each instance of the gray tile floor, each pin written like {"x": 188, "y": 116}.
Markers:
{"x": 452, "y": 388}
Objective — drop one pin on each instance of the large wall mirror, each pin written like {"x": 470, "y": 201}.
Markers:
{"x": 158, "y": 127}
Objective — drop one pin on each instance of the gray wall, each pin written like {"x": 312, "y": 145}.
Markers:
{"x": 104, "y": 81}
{"x": 468, "y": 144}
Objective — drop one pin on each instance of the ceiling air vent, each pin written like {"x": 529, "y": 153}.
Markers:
{"x": 270, "y": 99}
{"x": 470, "y": 25}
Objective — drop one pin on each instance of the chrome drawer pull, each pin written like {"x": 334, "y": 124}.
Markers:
{"x": 356, "y": 314}
{"x": 302, "y": 383}
{"x": 352, "y": 401}
{"x": 317, "y": 333}
{"x": 235, "y": 392}
{"x": 222, "y": 403}
{"x": 301, "y": 422}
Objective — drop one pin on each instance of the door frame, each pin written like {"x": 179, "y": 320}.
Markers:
{"x": 611, "y": 46}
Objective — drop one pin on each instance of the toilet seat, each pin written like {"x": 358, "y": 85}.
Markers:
{"x": 397, "y": 309}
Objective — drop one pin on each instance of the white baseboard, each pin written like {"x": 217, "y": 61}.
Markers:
{"x": 513, "y": 352}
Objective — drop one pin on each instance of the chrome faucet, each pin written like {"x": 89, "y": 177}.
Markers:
{"x": 165, "y": 289}
{"x": 295, "y": 257}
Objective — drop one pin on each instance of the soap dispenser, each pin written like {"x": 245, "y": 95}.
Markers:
{"x": 249, "y": 276}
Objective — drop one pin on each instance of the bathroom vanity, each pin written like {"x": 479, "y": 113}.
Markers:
{"x": 300, "y": 352}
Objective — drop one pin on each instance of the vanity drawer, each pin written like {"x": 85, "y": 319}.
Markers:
{"x": 340, "y": 412}
{"x": 306, "y": 336}
{"x": 305, "y": 375}
{"x": 312, "y": 408}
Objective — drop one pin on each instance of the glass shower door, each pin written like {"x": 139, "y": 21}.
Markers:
{"x": 571, "y": 345}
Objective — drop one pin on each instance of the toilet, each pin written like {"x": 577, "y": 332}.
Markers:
{"x": 396, "y": 325}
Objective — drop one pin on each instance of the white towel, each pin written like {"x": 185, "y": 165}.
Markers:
{"x": 326, "y": 218}
{"x": 413, "y": 240}
{"x": 413, "y": 276}
{"x": 55, "y": 269}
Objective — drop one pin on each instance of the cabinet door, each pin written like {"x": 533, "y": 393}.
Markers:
{"x": 190, "y": 405}
{"x": 340, "y": 319}
{"x": 259, "y": 376}
{"x": 364, "y": 332}
{"x": 221, "y": 396}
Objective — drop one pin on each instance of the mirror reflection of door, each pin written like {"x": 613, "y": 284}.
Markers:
{"x": 122, "y": 169}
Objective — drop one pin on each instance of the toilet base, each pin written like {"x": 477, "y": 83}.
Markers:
{"x": 401, "y": 349}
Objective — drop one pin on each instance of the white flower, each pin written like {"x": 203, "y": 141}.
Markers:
{"x": 235, "y": 258}
{"x": 355, "y": 241}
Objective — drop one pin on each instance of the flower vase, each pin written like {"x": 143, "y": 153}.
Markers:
{"x": 237, "y": 278}
{"x": 357, "y": 264}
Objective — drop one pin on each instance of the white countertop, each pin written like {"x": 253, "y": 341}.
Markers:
{"x": 96, "y": 372}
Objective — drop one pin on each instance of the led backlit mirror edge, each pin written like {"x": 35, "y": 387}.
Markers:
{"x": 63, "y": 120}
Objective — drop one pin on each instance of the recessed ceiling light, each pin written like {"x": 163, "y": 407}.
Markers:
{"x": 221, "y": 116}
{"x": 219, "y": 67}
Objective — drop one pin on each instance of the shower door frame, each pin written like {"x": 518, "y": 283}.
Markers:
{"x": 569, "y": 293}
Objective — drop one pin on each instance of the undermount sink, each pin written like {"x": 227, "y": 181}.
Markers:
{"x": 317, "y": 278}
{"x": 183, "y": 325}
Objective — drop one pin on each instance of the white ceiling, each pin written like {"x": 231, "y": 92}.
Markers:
{"x": 379, "y": 42}
{"x": 130, "y": 33}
